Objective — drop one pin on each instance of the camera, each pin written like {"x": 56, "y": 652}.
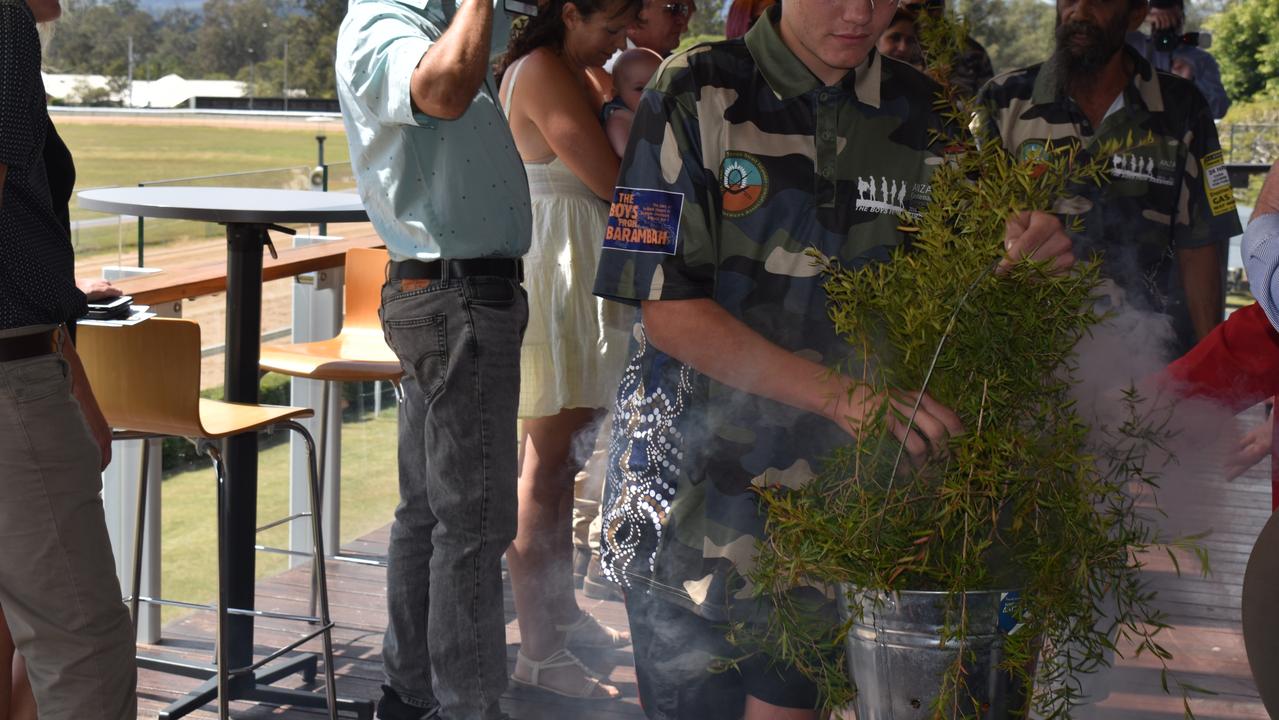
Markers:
{"x": 1169, "y": 40}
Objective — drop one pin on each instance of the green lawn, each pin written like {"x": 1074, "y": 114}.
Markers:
{"x": 111, "y": 155}
{"x": 129, "y": 154}
{"x": 369, "y": 492}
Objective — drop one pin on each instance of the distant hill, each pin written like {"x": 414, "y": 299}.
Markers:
{"x": 159, "y": 7}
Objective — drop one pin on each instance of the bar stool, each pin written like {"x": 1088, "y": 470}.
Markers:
{"x": 358, "y": 353}
{"x": 145, "y": 398}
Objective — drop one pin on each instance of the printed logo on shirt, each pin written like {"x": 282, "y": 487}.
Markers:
{"x": 744, "y": 183}
{"x": 887, "y": 196}
{"x": 644, "y": 220}
{"x": 1030, "y": 149}
{"x": 1129, "y": 166}
{"x": 1221, "y": 198}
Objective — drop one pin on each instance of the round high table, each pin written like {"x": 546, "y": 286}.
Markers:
{"x": 248, "y": 214}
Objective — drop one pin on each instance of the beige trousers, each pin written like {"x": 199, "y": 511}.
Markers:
{"x": 58, "y": 585}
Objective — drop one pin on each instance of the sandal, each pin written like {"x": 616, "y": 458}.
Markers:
{"x": 590, "y": 685}
{"x": 587, "y": 632}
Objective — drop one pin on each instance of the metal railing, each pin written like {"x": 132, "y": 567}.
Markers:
{"x": 1249, "y": 142}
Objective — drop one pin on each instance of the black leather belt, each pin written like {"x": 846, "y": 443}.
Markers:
{"x": 509, "y": 268}
{"x": 26, "y": 346}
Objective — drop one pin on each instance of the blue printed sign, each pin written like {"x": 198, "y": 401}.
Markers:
{"x": 643, "y": 220}
{"x": 1009, "y": 621}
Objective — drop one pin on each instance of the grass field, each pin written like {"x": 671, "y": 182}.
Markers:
{"x": 110, "y": 154}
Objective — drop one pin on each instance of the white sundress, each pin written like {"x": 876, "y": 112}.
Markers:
{"x": 575, "y": 345}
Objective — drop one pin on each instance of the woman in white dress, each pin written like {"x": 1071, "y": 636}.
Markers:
{"x": 553, "y": 88}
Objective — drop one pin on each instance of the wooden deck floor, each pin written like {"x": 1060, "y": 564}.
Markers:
{"x": 1206, "y": 642}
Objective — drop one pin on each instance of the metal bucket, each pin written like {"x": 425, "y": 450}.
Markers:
{"x": 896, "y": 657}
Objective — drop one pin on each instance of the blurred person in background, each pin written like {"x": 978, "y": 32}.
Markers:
{"x": 972, "y": 68}
{"x": 901, "y": 42}
{"x": 659, "y": 27}
{"x": 742, "y": 14}
{"x": 58, "y": 587}
{"x": 1160, "y": 222}
{"x": 1170, "y": 49}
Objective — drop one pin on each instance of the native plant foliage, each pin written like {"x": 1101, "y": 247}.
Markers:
{"x": 1031, "y": 497}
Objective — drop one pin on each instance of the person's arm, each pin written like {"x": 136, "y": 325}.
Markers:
{"x": 98, "y": 425}
{"x": 1201, "y": 280}
{"x": 1204, "y": 217}
{"x": 1260, "y": 247}
{"x": 1237, "y": 365}
{"x": 618, "y": 129}
{"x": 451, "y": 71}
{"x": 704, "y": 336}
{"x": 552, "y": 99}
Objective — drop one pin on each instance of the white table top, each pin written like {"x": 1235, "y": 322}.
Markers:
{"x": 227, "y": 204}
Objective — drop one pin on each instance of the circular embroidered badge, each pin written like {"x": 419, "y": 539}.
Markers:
{"x": 744, "y": 183}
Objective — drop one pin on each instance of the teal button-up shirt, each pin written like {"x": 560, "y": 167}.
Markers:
{"x": 433, "y": 188}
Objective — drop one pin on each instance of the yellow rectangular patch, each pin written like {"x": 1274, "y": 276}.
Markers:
{"x": 1221, "y": 198}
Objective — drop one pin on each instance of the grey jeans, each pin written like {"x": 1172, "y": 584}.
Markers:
{"x": 58, "y": 585}
{"x": 459, "y": 342}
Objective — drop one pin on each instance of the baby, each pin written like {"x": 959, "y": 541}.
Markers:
{"x": 632, "y": 71}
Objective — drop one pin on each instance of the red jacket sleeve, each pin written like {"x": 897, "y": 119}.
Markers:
{"x": 1237, "y": 365}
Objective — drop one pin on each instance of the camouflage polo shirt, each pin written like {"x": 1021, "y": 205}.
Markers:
{"x": 739, "y": 161}
{"x": 1174, "y": 193}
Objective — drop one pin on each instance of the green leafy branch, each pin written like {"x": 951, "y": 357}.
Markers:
{"x": 1030, "y": 497}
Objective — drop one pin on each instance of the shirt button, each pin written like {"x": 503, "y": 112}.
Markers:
{"x": 823, "y": 96}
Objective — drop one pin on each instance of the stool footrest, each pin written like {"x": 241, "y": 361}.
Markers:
{"x": 175, "y": 603}
{"x": 281, "y": 652}
{"x": 283, "y": 520}
{"x": 283, "y": 551}
{"x": 243, "y": 612}
{"x": 358, "y": 558}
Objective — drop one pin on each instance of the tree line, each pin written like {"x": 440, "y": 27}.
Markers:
{"x": 244, "y": 40}
{"x": 248, "y": 40}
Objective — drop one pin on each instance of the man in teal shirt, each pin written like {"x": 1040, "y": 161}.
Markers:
{"x": 445, "y": 189}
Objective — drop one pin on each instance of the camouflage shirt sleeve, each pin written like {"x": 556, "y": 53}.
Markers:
{"x": 1206, "y": 211}
{"x": 661, "y": 238}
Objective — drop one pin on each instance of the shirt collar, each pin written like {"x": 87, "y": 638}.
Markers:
{"x": 1143, "y": 88}
{"x": 787, "y": 75}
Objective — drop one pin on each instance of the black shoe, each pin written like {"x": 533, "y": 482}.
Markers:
{"x": 598, "y": 587}
{"x": 391, "y": 707}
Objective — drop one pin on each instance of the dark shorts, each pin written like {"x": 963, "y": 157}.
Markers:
{"x": 677, "y": 654}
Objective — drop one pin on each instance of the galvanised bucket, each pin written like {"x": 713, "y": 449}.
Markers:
{"x": 896, "y": 657}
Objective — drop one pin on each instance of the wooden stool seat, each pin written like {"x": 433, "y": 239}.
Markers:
{"x": 357, "y": 354}
{"x": 222, "y": 419}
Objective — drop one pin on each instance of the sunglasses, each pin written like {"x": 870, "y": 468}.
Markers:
{"x": 678, "y": 9}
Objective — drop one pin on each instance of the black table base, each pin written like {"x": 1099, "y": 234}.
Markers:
{"x": 259, "y": 691}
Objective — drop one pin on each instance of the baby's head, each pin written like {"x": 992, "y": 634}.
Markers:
{"x": 632, "y": 71}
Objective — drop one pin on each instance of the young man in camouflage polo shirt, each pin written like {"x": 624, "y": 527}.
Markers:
{"x": 1161, "y": 222}
{"x": 743, "y": 155}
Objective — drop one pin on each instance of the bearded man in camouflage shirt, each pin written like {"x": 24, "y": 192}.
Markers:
{"x": 1161, "y": 223}
{"x": 743, "y": 155}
